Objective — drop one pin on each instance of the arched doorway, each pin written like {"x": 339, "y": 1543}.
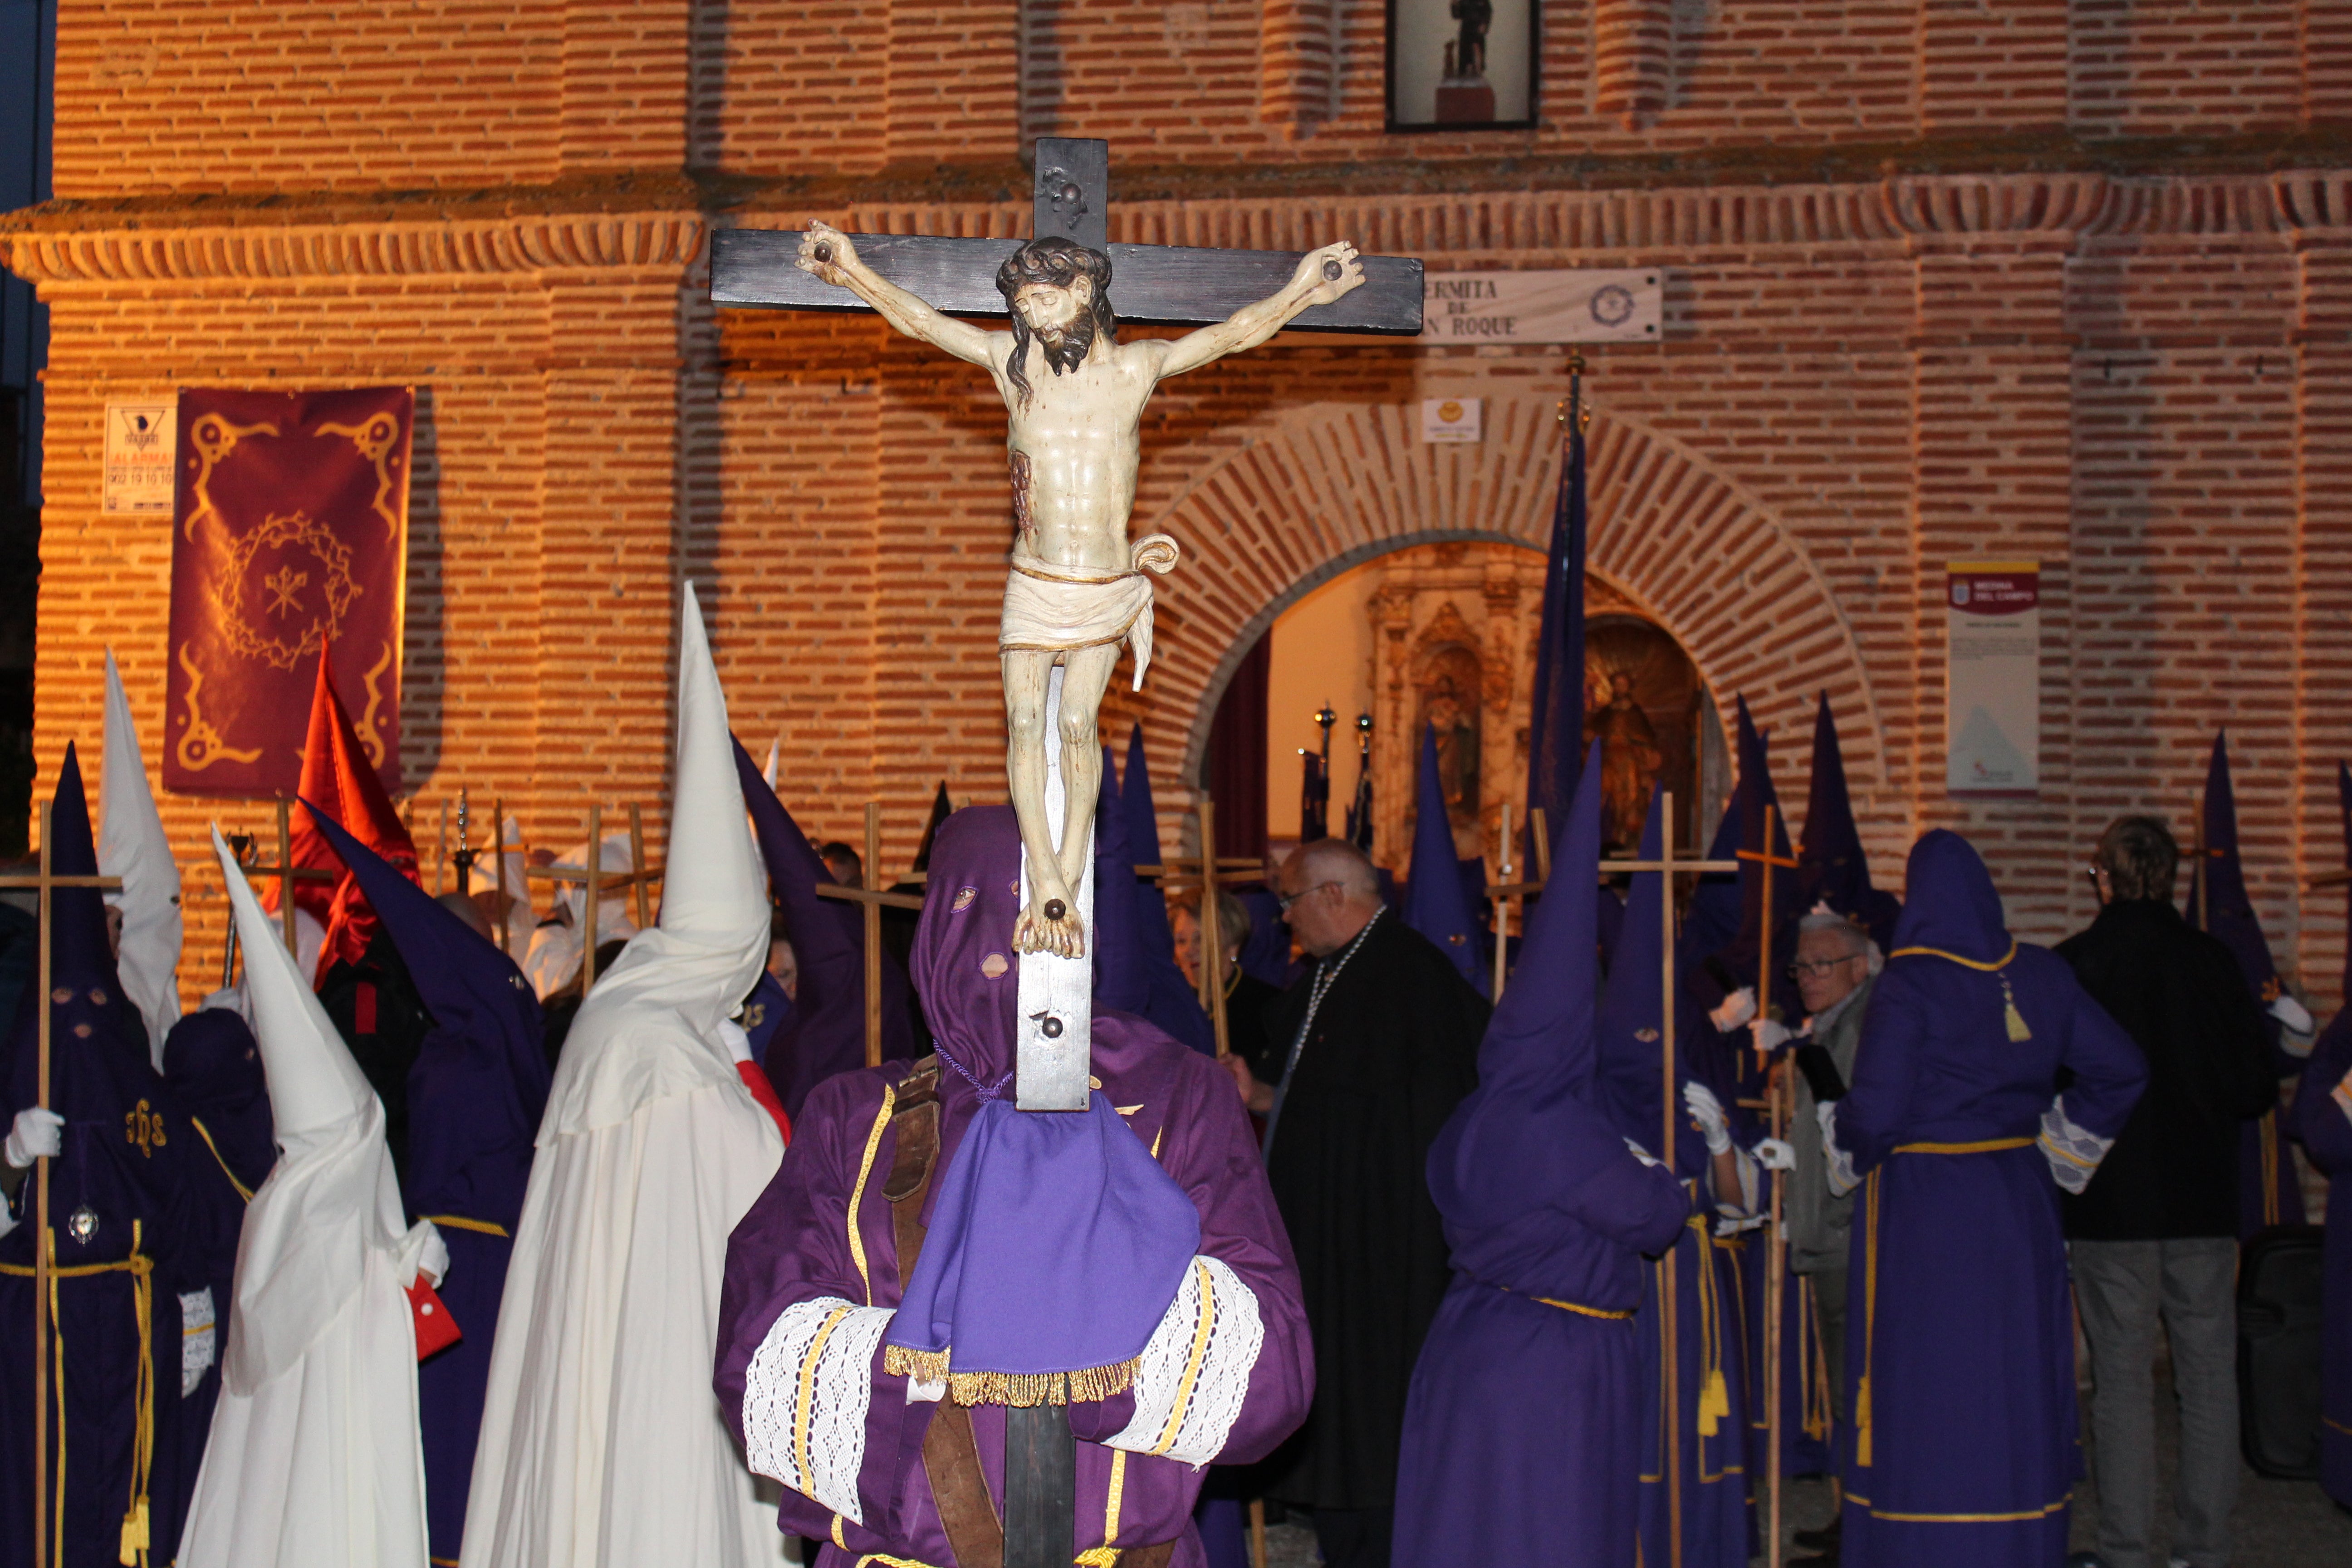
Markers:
{"x": 1443, "y": 635}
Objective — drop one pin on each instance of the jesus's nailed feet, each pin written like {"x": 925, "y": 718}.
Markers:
{"x": 1049, "y": 925}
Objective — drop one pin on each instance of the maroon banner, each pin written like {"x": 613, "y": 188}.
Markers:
{"x": 289, "y": 533}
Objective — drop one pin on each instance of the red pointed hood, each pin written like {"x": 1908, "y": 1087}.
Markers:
{"x": 338, "y": 776}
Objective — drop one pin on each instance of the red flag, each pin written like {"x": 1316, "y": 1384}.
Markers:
{"x": 336, "y": 779}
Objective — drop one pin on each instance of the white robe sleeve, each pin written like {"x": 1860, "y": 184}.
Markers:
{"x": 806, "y": 1396}
{"x": 2073, "y": 1153}
{"x": 1195, "y": 1370}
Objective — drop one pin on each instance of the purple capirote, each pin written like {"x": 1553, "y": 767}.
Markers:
{"x": 1522, "y": 1434}
{"x": 1179, "y": 1111}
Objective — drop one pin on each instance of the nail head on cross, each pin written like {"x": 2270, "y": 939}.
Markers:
{"x": 1332, "y": 271}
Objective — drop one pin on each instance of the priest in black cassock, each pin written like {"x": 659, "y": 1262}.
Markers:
{"x": 1376, "y": 1044}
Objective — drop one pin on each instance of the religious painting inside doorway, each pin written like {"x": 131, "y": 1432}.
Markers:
{"x": 290, "y": 532}
{"x": 1461, "y": 64}
{"x": 1642, "y": 695}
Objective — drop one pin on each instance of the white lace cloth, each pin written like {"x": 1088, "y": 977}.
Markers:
{"x": 1193, "y": 1373}
{"x": 2073, "y": 1152}
{"x": 805, "y": 1398}
{"x": 198, "y": 1338}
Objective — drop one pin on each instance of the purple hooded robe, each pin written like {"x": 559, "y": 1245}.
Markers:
{"x": 475, "y": 1094}
{"x": 2321, "y": 1119}
{"x": 1960, "y": 1339}
{"x": 821, "y": 1239}
{"x": 1522, "y": 1432}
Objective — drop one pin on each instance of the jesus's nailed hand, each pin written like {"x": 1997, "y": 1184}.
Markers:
{"x": 1324, "y": 275}
{"x": 826, "y": 255}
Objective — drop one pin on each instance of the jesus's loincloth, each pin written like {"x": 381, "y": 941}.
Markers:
{"x": 1061, "y": 609}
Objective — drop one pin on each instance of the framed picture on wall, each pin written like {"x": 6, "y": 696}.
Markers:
{"x": 1462, "y": 65}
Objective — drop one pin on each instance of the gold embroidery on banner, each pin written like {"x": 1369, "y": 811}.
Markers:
{"x": 296, "y": 528}
{"x": 201, "y": 745}
{"x": 214, "y": 438}
{"x": 368, "y": 737}
{"x": 374, "y": 440}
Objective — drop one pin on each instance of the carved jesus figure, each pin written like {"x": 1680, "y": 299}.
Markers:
{"x": 1077, "y": 589}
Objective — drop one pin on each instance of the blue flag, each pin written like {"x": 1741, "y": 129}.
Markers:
{"x": 1556, "y": 722}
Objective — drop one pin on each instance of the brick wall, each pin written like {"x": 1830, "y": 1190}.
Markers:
{"x": 2136, "y": 379}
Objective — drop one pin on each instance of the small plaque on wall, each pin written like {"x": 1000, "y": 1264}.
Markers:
{"x": 1992, "y": 724}
{"x": 1450, "y": 419}
{"x": 141, "y": 447}
{"x": 1462, "y": 65}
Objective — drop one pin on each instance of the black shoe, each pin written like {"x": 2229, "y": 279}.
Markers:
{"x": 1825, "y": 1539}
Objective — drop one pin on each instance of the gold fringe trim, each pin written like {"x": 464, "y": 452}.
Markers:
{"x": 1026, "y": 1389}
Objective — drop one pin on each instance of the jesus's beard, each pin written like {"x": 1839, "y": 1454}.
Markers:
{"x": 1065, "y": 348}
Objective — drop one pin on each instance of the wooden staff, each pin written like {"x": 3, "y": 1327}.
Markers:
{"x": 44, "y": 882}
{"x": 499, "y": 859}
{"x": 596, "y": 881}
{"x": 440, "y": 849}
{"x": 1213, "y": 871}
{"x": 872, "y": 901}
{"x": 1776, "y": 1259}
{"x": 639, "y": 893}
{"x": 1669, "y": 1293}
{"x": 286, "y": 874}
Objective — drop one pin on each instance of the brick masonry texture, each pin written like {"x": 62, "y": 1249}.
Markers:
{"x": 2137, "y": 376}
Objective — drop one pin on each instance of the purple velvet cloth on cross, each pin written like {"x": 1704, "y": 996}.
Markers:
{"x": 1521, "y": 1434}
{"x": 1179, "y": 1110}
{"x": 1956, "y": 1303}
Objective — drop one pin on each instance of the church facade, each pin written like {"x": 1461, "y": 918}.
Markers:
{"x": 2065, "y": 281}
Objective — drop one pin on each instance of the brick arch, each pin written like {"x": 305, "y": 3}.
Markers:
{"x": 1317, "y": 490}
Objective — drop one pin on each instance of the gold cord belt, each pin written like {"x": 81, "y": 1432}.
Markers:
{"x": 1981, "y": 1146}
{"x": 459, "y": 1222}
{"x": 1580, "y": 1310}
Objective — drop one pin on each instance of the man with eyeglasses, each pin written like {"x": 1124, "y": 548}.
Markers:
{"x": 1836, "y": 966}
{"x": 1375, "y": 1047}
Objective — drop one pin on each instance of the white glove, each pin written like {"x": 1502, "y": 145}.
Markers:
{"x": 1775, "y": 1155}
{"x": 739, "y": 1044}
{"x": 2297, "y": 1018}
{"x": 1730, "y": 1226}
{"x": 1642, "y": 1154}
{"x": 1707, "y": 1112}
{"x": 1736, "y": 1010}
{"x": 38, "y": 1135}
{"x": 1771, "y": 1034}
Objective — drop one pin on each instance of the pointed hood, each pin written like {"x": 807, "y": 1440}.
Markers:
{"x": 1437, "y": 904}
{"x": 768, "y": 774}
{"x": 1739, "y": 955}
{"x": 1152, "y": 931}
{"x": 1118, "y": 959}
{"x": 650, "y": 1027}
{"x": 823, "y": 1032}
{"x": 1633, "y": 1003}
{"x": 1831, "y": 869}
{"x": 2228, "y": 912}
{"x": 132, "y": 846}
{"x": 940, "y": 810}
{"x": 101, "y": 1070}
{"x": 336, "y": 774}
{"x": 1948, "y": 902}
{"x": 333, "y": 1196}
{"x": 1713, "y": 916}
{"x": 1541, "y": 1107}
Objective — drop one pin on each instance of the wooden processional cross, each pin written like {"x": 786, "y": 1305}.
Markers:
{"x": 1780, "y": 1096}
{"x": 1150, "y": 284}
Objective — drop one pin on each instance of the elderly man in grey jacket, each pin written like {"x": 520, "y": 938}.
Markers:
{"x": 1836, "y": 967}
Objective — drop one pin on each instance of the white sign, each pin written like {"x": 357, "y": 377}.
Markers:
{"x": 1586, "y": 305}
{"x": 142, "y": 441}
{"x": 1993, "y": 715}
{"x": 1446, "y": 419}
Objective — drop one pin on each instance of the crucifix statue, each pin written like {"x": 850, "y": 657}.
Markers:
{"x": 1077, "y": 588}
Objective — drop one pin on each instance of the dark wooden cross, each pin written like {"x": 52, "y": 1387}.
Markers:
{"x": 1150, "y": 284}
{"x": 1165, "y": 285}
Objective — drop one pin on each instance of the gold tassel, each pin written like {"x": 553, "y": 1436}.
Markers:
{"x": 134, "y": 1535}
{"x": 923, "y": 1367}
{"x": 1714, "y": 1404}
{"x": 2015, "y": 1019}
{"x": 1861, "y": 1423}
